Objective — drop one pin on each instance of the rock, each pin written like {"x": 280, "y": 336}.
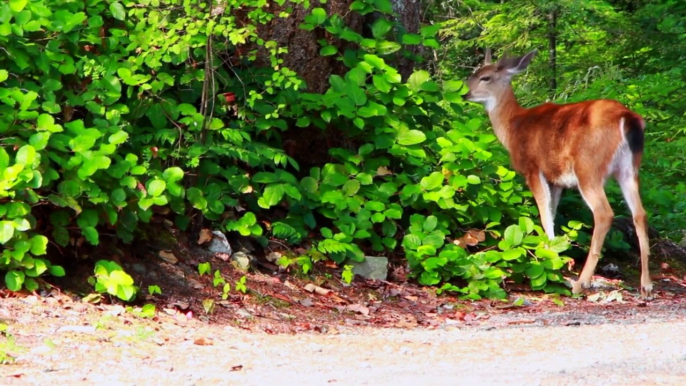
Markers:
{"x": 138, "y": 268}
{"x": 219, "y": 243}
{"x": 273, "y": 256}
{"x": 373, "y": 267}
{"x": 168, "y": 257}
{"x": 242, "y": 259}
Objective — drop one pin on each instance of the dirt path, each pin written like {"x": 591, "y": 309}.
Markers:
{"x": 96, "y": 345}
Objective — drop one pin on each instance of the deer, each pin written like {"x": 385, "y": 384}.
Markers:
{"x": 562, "y": 146}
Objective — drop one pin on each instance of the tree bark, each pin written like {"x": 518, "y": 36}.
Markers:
{"x": 409, "y": 16}
{"x": 552, "y": 51}
{"x": 303, "y": 47}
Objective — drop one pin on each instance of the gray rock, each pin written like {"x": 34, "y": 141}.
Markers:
{"x": 242, "y": 259}
{"x": 138, "y": 268}
{"x": 219, "y": 243}
{"x": 373, "y": 267}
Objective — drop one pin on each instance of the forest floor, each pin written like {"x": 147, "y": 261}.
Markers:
{"x": 287, "y": 329}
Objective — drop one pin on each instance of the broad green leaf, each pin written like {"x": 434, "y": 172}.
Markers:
{"x": 432, "y": 181}
{"x": 6, "y": 231}
{"x": 411, "y": 137}
{"x": 26, "y": 155}
{"x": 118, "y": 11}
{"x": 56, "y": 270}
{"x": 173, "y": 174}
{"x": 328, "y": 50}
{"x": 272, "y": 195}
{"x": 118, "y": 137}
{"x": 14, "y": 280}
{"x": 39, "y": 245}
{"x": 417, "y": 79}
{"x": 156, "y": 187}
{"x": 514, "y": 235}
{"x": 18, "y": 6}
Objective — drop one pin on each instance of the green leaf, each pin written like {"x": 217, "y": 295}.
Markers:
{"x": 18, "y": 6}
{"x": 196, "y": 198}
{"x": 156, "y": 187}
{"x": 3, "y": 75}
{"x": 411, "y": 137}
{"x": 118, "y": 11}
{"x": 430, "y": 223}
{"x": 381, "y": 27}
{"x": 26, "y": 155}
{"x": 432, "y": 181}
{"x": 318, "y": 16}
{"x": 309, "y": 184}
{"x": 473, "y": 180}
{"x": 118, "y": 137}
{"x": 56, "y": 270}
{"x": 328, "y": 50}
{"x": 14, "y": 280}
{"x": 417, "y": 79}
{"x": 411, "y": 39}
{"x": 272, "y": 195}
{"x": 6, "y": 231}
{"x": 351, "y": 187}
{"x": 39, "y": 245}
{"x": 514, "y": 235}
{"x": 356, "y": 94}
{"x": 172, "y": 174}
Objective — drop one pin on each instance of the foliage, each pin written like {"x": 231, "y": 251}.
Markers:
{"x": 110, "y": 278}
{"x": 112, "y": 109}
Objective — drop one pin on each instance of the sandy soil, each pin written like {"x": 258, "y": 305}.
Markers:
{"x": 57, "y": 341}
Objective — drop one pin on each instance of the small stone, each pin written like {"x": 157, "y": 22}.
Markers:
{"x": 168, "y": 257}
{"x": 373, "y": 267}
{"x": 138, "y": 268}
{"x": 242, "y": 259}
{"x": 273, "y": 256}
{"x": 219, "y": 243}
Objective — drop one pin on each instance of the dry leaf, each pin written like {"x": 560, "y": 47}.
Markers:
{"x": 317, "y": 289}
{"x": 383, "y": 171}
{"x": 205, "y": 236}
{"x": 203, "y": 341}
{"x": 359, "y": 308}
{"x": 168, "y": 257}
{"x": 236, "y": 368}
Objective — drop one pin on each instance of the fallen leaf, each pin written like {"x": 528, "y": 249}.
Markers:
{"x": 383, "y": 171}
{"x": 594, "y": 297}
{"x": 168, "y": 257}
{"x": 236, "y": 368}
{"x": 411, "y": 298}
{"x": 316, "y": 289}
{"x": 359, "y": 308}
{"x": 307, "y": 302}
{"x": 203, "y": 341}
{"x": 205, "y": 236}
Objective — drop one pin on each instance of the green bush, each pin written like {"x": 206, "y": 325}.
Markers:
{"x": 105, "y": 115}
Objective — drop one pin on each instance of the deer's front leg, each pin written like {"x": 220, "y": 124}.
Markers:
{"x": 541, "y": 190}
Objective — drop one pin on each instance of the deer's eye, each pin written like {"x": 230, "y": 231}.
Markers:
{"x": 485, "y": 79}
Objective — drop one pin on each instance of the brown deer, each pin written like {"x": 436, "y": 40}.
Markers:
{"x": 564, "y": 146}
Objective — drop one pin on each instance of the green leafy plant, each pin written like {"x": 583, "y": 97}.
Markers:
{"x": 110, "y": 278}
{"x": 204, "y": 268}
{"x": 154, "y": 289}
{"x": 240, "y": 285}
{"x": 347, "y": 274}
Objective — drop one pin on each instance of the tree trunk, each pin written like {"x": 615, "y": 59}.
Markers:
{"x": 303, "y": 47}
{"x": 409, "y": 16}
{"x": 552, "y": 51}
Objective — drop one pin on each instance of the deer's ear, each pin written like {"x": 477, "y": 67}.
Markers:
{"x": 516, "y": 65}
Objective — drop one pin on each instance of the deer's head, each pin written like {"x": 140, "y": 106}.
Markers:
{"x": 488, "y": 84}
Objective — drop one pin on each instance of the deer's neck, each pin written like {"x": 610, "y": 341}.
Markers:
{"x": 501, "y": 112}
